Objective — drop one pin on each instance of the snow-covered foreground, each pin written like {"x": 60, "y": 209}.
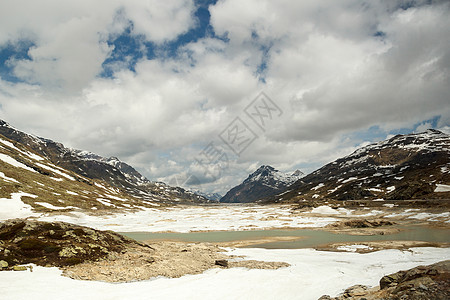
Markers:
{"x": 311, "y": 274}
{"x": 196, "y": 218}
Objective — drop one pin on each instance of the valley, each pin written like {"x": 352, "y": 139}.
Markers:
{"x": 63, "y": 208}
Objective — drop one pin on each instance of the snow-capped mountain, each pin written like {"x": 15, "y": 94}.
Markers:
{"x": 214, "y": 197}
{"x": 412, "y": 166}
{"x": 90, "y": 167}
{"x": 265, "y": 181}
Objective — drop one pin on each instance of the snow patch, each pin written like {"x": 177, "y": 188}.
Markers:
{"x": 2, "y": 175}
{"x": 324, "y": 210}
{"x": 390, "y": 189}
{"x": 9, "y": 160}
{"x": 307, "y": 267}
{"x": 442, "y": 188}
{"x": 15, "y": 207}
{"x": 318, "y": 186}
{"x": 50, "y": 206}
{"x": 194, "y": 219}
{"x": 349, "y": 179}
{"x": 55, "y": 171}
{"x": 354, "y": 248}
{"x": 56, "y": 179}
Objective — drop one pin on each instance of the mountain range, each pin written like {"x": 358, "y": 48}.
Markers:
{"x": 62, "y": 177}
{"x": 48, "y": 176}
{"x": 411, "y": 166}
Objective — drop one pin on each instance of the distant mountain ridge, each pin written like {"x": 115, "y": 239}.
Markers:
{"x": 92, "y": 166}
{"x": 265, "y": 181}
{"x": 411, "y": 166}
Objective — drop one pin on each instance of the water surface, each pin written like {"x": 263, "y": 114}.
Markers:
{"x": 310, "y": 238}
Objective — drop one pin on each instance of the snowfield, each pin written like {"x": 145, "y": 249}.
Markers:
{"x": 311, "y": 274}
{"x": 202, "y": 218}
{"x": 15, "y": 207}
{"x": 186, "y": 219}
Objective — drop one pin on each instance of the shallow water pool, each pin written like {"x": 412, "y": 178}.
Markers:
{"x": 308, "y": 237}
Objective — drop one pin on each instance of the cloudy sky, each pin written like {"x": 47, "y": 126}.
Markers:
{"x": 201, "y": 93}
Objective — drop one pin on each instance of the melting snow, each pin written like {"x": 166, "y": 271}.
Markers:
{"x": 185, "y": 219}
{"x": 56, "y": 179}
{"x": 325, "y": 210}
{"x": 14, "y": 207}
{"x": 350, "y": 179}
{"x": 105, "y": 202}
{"x": 390, "y": 189}
{"x": 318, "y": 186}
{"x": 9, "y": 160}
{"x": 2, "y": 175}
{"x": 50, "y": 206}
{"x": 307, "y": 268}
{"x": 55, "y": 171}
{"x": 442, "y": 188}
{"x": 354, "y": 248}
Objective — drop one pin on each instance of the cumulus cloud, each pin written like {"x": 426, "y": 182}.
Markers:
{"x": 332, "y": 68}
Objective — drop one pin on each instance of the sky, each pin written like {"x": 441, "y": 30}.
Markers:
{"x": 200, "y": 93}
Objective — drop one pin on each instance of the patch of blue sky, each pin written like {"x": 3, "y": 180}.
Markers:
{"x": 129, "y": 48}
{"x": 11, "y": 52}
{"x": 264, "y": 48}
{"x": 375, "y": 133}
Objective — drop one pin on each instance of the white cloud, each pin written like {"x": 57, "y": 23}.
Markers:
{"x": 325, "y": 68}
{"x": 70, "y": 37}
{"x": 160, "y": 21}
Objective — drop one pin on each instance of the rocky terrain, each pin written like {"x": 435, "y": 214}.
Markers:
{"x": 412, "y": 166}
{"x": 88, "y": 254}
{"x": 57, "y": 244}
{"x": 265, "y": 181}
{"x": 423, "y": 282}
{"x": 42, "y": 171}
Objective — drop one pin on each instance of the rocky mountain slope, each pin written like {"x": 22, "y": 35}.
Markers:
{"x": 265, "y": 181}
{"x": 412, "y": 166}
{"x": 58, "y": 243}
{"x": 49, "y": 176}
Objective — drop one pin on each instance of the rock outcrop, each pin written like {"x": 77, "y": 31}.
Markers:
{"x": 57, "y": 244}
{"x": 420, "y": 283}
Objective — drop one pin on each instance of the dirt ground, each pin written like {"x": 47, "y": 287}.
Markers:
{"x": 168, "y": 259}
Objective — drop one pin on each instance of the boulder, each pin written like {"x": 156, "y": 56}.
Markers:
{"x": 3, "y": 264}
{"x": 57, "y": 243}
{"x": 19, "y": 268}
{"x": 222, "y": 263}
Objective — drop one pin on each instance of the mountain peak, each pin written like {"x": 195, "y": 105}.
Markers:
{"x": 265, "y": 181}
{"x": 271, "y": 176}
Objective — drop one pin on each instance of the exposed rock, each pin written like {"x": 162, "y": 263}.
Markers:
{"x": 422, "y": 282}
{"x": 88, "y": 254}
{"x": 265, "y": 181}
{"x": 57, "y": 243}
{"x": 355, "y": 291}
{"x": 3, "y": 264}
{"x": 363, "y": 223}
{"x": 222, "y": 263}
